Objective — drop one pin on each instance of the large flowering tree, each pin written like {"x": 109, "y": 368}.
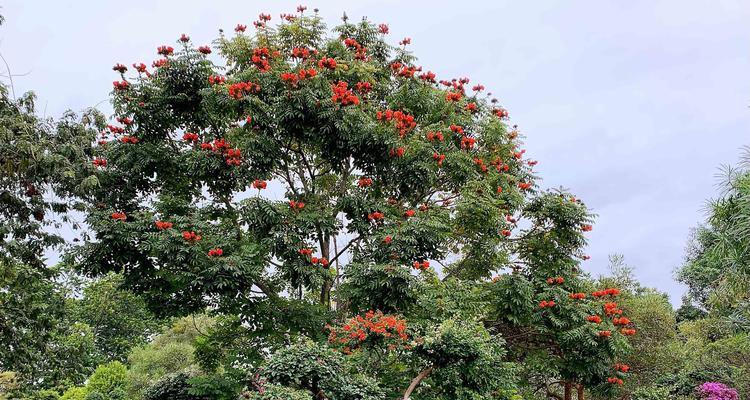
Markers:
{"x": 301, "y": 185}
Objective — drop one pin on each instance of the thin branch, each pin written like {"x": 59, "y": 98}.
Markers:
{"x": 416, "y": 381}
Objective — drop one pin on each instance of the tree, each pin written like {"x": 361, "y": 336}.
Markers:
{"x": 324, "y": 181}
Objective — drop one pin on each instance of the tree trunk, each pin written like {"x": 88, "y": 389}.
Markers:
{"x": 568, "y": 391}
{"x": 580, "y": 392}
{"x": 325, "y": 291}
{"x": 414, "y": 382}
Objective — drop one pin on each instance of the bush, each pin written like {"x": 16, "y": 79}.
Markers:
{"x": 108, "y": 382}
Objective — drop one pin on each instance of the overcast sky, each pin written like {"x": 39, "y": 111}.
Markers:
{"x": 633, "y": 105}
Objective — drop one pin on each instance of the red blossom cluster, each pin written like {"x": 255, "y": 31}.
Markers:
{"x": 388, "y": 239}
{"x": 191, "y": 236}
{"x": 421, "y": 266}
{"x": 404, "y": 122}
{"x": 373, "y": 326}
{"x": 342, "y": 94}
{"x": 471, "y": 107}
{"x": 260, "y": 58}
{"x": 604, "y": 333}
{"x": 296, "y": 205}
{"x": 622, "y": 367}
{"x": 125, "y": 121}
{"x": 606, "y": 292}
{"x": 190, "y": 137}
{"x": 404, "y": 71}
{"x": 322, "y": 261}
{"x": 129, "y": 139}
{"x": 121, "y": 85}
{"x": 375, "y": 216}
{"x": 480, "y": 163}
{"x": 165, "y": 50}
{"x": 259, "y": 184}
{"x": 360, "y": 52}
{"x": 586, "y": 227}
{"x": 215, "y": 252}
{"x": 327, "y": 63}
{"x": 468, "y": 142}
{"x": 614, "y": 381}
{"x": 499, "y": 165}
{"x": 116, "y": 129}
{"x": 453, "y": 96}
{"x": 383, "y": 28}
{"x": 594, "y": 318}
{"x": 303, "y": 74}
{"x": 240, "y": 89}
{"x": 141, "y": 68}
{"x": 428, "y": 76}
{"x": 300, "y": 52}
{"x": 477, "y": 88}
{"x": 506, "y": 232}
{"x": 184, "y": 38}
{"x": 397, "y": 152}
{"x": 628, "y": 332}
{"x": 240, "y": 28}
{"x": 558, "y": 280}
{"x": 364, "y": 182}
{"x": 577, "y": 296}
{"x": 409, "y": 213}
{"x": 500, "y": 113}
{"x": 547, "y": 304}
{"x": 363, "y": 87}
{"x": 621, "y": 321}
{"x": 160, "y": 63}
{"x": 432, "y": 136}
{"x": 163, "y": 225}
{"x": 216, "y": 79}
{"x": 439, "y": 158}
{"x": 99, "y": 162}
{"x": 204, "y": 50}
{"x": 119, "y": 216}
{"x": 611, "y": 309}
{"x": 405, "y": 41}
{"x": 524, "y": 185}
{"x": 120, "y": 68}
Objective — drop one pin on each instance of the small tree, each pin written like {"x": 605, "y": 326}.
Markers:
{"x": 312, "y": 179}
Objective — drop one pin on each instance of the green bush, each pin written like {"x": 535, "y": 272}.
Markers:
{"x": 108, "y": 382}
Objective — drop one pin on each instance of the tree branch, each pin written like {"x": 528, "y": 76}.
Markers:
{"x": 416, "y": 381}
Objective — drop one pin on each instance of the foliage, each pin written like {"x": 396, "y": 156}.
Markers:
{"x": 108, "y": 382}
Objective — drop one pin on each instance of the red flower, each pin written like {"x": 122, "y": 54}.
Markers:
{"x": 328, "y": 63}
{"x": 422, "y": 266}
{"x": 239, "y": 90}
{"x": 121, "y": 85}
{"x": 468, "y": 143}
{"x": 505, "y": 232}
{"x": 191, "y": 236}
{"x": 296, "y": 205}
{"x": 409, "y": 213}
{"x": 604, "y": 333}
{"x": 215, "y": 252}
{"x": 428, "y": 76}
{"x": 240, "y": 28}
{"x": 300, "y": 52}
{"x": 615, "y": 381}
{"x": 387, "y": 239}
{"x": 501, "y": 113}
{"x": 405, "y": 41}
{"x": 120, "y": 68}
{"x": 594, "y": 318}
{"x": 471, "y": 107}
{"x": 524, "y": 185}
{"x": 628, "y": 332}
{"x": 141, "y": 68}
{"x": 342, "y": 95}
{"x": 100, "y": 162}
{"x": 363, "y": 87}
{"x": 216, "y": 79}
{"x": 129, "y": 139}
{"x": 547, "y": 304}
{"x": 439, "y": 158}
{"x": 159, "y": 63}
{"x": 586, "y": 227}
{"x": 184, "y": 38}
{"x": 301, "y": 9}
{"x": 431, "y": 136}
{"x": 259, "y": 184}
{"x": 383, "y": 28}
{"x": 478, "y": 88}
{"x": 165, "y": 50}
{"x": 375, "y": 216}
{"x": 190, "y": 137}
{"x": 397, "y": 152}
{"x": 622, "y": 367}
{"x": 453, "y": 96}
{"x": 163, "y": 225}
{"x": 577, "y": 296}
{"x": 119, "y": 216}
{"x": 204, "y": 50}
{"x": 364, "y": 182}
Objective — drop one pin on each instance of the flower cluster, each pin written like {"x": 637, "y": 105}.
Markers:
{"x": 717, "y": 391}
{"x": 342, "y": 94}
{"x": 129, "y": 139}
{"x": 204, "y": 50}
{"x": 404, "y": 122}
{"x": 301, "y": 52}
{"x": 190, "y": 137}
{"x": 216, "y": 79}
{"x": 432, "y": 136}
{"x": 615, "y": 381}
{"x": 322, "y": 261}
{"x": 605, "y": 333}
{"x": 577, "y": 296}
{"x": 606, "y": 292}
{"x": 294, "y": 78}
{"x": 327, "y": 63}
{"x": 215, "y": 252}
{"x": 191, "y": 236}
{"x": 120, "y": 68}
{"x": 363, "y": 87}
{"x": 373, "y": 327}
{"x": 547, "y": 304}
{"x": 260, "y": 59}
{"x": 165, "y": 50}
{"x": 594, "y": 318}
{"x": 364, "y": 182}
{"x": 398, "y": 152}
{"x": 259, "y": 184}
{"x": 163, "y": 225}
{"x": 375, "y": 216}
{"x": 439, "y": 158}
{"x": 99, "y": 162}
{"x": 360, "y": 52}
{"x": 240, "y": 89}
{"x": 622, "y": 367}
{"x": 121, "y": 85}
{"x": 558, "y": 280}
{"x": 119, "y": 216}
{"x": 586, "y": 227}
{"x": 611, "y": 309}
{"x": 421, "y": 266}
{"x": 296, "y": 205}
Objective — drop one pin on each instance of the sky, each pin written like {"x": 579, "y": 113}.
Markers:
{"x": 632, "y": 105}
